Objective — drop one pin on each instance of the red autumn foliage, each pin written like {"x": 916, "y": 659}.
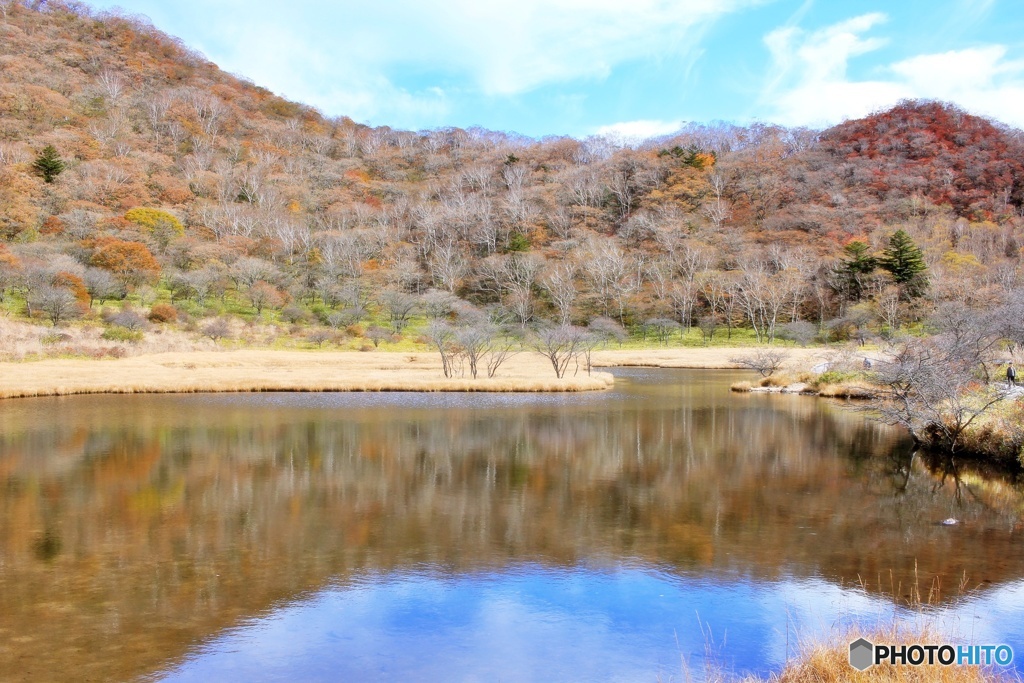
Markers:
{"x": 935, "y": 150}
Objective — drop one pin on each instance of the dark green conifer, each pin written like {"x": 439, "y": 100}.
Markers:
{"x": 856, "y": 265}
{"x": 49, "y": 164}
{"x": 904, "y": 261}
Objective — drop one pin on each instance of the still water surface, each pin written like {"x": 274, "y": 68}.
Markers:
{"x": 629, "y": 535}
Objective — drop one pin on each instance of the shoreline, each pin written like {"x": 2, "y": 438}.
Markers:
{"x": 255, "y": 370}
{"x": 287, "y": 371}
{"x": 698, "y": 358}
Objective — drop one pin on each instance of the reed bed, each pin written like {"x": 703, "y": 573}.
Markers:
{"x": 247, "y": 370}
{"x": 855, "y": 390}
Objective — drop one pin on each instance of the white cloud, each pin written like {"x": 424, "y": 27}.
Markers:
{"x": 507, "y": 47}
{"x": 386, "y": 61}
{"x": 982, "y": 80}
{"x": 630, "y": 132}
{"x": 809, "y": 83}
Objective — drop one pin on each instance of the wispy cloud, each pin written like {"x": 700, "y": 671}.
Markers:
{"x": 982, "y": 80}
{"x": 809, "y": 83}
{"x": 404, "y": 61}
{"x": 507, "y": 47}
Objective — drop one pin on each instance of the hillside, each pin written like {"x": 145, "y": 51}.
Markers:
{"x": 190, "y": 196}
{"x": 934, "y": 151}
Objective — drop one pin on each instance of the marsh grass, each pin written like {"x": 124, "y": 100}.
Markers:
{"x": 829, "y": 663}
{"x": 999, "y": 434}
{"x": 248, "y": 370}
{"x": 851, "y": 390}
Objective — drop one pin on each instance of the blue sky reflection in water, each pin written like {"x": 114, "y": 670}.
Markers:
{"x": 531, "y": 623}
{"x": 475, "y": 537}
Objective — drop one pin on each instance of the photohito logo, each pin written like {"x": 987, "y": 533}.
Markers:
{"x": 864, "y": 654}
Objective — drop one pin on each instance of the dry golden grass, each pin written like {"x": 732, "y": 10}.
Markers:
{"x": 846, "y": 390}
{"x": 21, "y": 340}
{"x": 741, "y": 386}
{"x": 248, "y": 370}
{"x": 706, "y": 358}
{"x": 830, "y": 663}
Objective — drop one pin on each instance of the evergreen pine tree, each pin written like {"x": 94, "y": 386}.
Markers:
{"x": 48, "y": 163}
{"x": 904, "y": 261}
{"x": 857, "y": 264}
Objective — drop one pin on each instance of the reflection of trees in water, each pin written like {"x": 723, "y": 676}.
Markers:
{"x": 161, "y": 528}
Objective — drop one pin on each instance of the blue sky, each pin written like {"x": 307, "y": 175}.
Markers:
{"x": 621, "y": 67}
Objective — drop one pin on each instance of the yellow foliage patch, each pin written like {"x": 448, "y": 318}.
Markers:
{"x": 151, "y": 219}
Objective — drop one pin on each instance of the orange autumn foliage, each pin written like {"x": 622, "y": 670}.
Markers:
{"x": 130, "y": 262}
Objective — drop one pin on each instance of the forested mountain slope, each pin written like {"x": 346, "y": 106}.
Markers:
{"x": 180, "y": 188}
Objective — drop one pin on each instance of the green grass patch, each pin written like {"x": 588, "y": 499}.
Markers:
{"x": 840, "y": 376}
{"x": 120, "y": 334}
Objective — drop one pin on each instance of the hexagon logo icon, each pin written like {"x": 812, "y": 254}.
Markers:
{"x": 862, "y": 654}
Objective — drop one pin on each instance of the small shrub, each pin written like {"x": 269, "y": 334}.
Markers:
{"x": 163, "y": 313}
{"x": 838, "y": 377}
{"x": 128, "y": 319}
{"x": 122, "y": 334}
{"x": 55, "y": 338}
{"x": 336, "y": 320}
{"x": 378, "y": 334}
{"x": 318, "y": 337}
{"x": 765, "y": 361}
{"x": 294, "y": 314}
{"x": 217, "y": 329}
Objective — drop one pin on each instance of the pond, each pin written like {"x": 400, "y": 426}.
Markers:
{"x": 639, "y": 534}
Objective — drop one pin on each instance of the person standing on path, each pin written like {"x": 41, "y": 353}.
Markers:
{"x": 1011, "y": 375}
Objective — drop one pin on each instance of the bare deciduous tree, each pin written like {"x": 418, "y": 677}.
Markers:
{"x": 765, "y": 361}
{"x": 513, "y": 277}
{"x": 560, "y": 345}
{"x": 101, "y": 285}
{"x": 58, "y": 303}
{"x": 931, "y": 389}
{"x": 441, "y": 336}
{"x": 377, "y": 334}
{"x": 216, "y": 329}
{"x": 400, "y": 308}
{"x": 560, "y": 284}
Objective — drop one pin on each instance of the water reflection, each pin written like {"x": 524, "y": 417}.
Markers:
{"x": 133, "y": 528}
{"x": 529, "y": 623}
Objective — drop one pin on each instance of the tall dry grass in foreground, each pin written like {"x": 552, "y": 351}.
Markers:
{"x": 830, "y": 663}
